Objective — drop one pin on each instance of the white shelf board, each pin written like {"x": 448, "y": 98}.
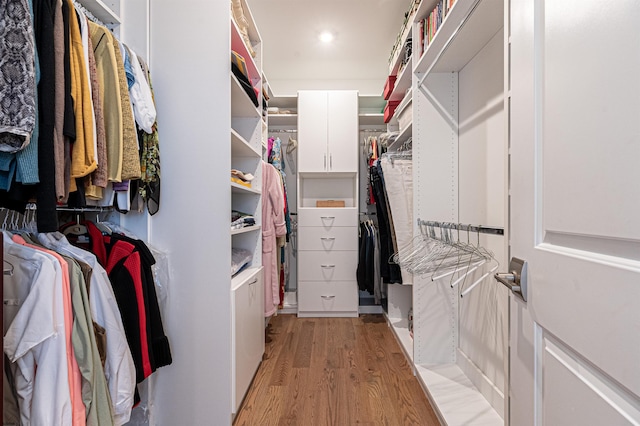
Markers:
{"x": 425, "y": 8}
{"x": 406, "y": 133}
{"x": 455, "y": 399}
{"x": 370, "y": 102}
{"x": 239, "y": 189}
{"x": 102, "y": 11}
{"x": 241, "y": 105}
{"x": 245, "y": 229}
{"x": 403, "y": 83}
{"x": 371, "y": 119}
{"x": 283, "y": 119}
{"x": 332, "y": 175}
{"x": 284, "y": 102}
{"x": 242, "y": 276}
{"x": 240, "y": 147}
{"x": 400, "y": 328}
{"x": 466, "y": 29}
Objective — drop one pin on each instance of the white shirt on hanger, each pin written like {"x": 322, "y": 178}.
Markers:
{"x": 35, "y": 339}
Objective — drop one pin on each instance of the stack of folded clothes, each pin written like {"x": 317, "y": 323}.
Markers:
{"x": 241, "y": 220}
{"x": 241, "y": 178}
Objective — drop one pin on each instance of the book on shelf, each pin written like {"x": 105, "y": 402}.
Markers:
{"x": 430, "y": 25}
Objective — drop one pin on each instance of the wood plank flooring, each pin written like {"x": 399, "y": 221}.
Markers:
{"x": 334, "y": 372}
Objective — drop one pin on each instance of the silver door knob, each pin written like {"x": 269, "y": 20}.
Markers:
{"x": 516, "y": 280}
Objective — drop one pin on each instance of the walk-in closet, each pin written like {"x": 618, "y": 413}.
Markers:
{"x": 432, "y": 211}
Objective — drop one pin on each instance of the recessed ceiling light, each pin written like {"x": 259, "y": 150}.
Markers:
{"x": 326, "y": 37}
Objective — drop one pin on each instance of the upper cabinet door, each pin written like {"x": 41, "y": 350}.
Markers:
{"x": 342, "y": 138}
{"x": 312, "y": 131}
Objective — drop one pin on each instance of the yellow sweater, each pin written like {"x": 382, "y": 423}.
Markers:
{"x": 83, "y": 159}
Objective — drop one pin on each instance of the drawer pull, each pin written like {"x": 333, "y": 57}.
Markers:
{"x": 327, "y": 217}
{"x": 255, "y": 280}
{"x": 328, "y": 297}
{"x": 328, "y": 238}
{"x": 328, "y": 266}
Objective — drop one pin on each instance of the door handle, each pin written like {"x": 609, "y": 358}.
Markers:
{"x": 516, "y": 280}
{"x": 331, "y": 161}
{"x": 328, "y": 297}
{"x": 327, "y": 217}
{"x": 327, "y": 266}
{"x": 255, "y": 280}
{"x": 325, "y": 161}
{"x": 328, "y": 238}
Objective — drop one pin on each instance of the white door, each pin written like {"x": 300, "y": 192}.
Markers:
{"x": 575, "y": 211}
{"x": 342, "y": 137}
{"x": 312, "y": 131}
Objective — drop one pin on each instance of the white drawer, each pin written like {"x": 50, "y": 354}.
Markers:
{"x": 327, "y": 217}
{"x": 316, "y": 265}
{"x": 319, "y": 238}
{"x": 321, "y": 297}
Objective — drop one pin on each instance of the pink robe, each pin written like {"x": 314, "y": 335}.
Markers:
{"x": 273, "y": 226}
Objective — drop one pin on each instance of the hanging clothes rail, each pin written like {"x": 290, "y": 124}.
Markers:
{"x": 282, "y": 131}
{"x": 461, "y": 227}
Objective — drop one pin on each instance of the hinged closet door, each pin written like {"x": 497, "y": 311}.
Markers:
{"x": 575, "y": 211}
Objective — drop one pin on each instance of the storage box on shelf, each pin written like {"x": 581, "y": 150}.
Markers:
{"x": 404, "y": 112}
{"x": 389, "y": 110}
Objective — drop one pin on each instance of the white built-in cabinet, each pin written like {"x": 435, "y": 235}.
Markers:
{"x": 327, "y": 170}
{"x": 328, "y": 120}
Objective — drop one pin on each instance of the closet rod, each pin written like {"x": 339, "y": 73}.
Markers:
{"x": 85, "y": 209}
{"x": 282, "y": 131}
{"x": 374, "y": 130}
{"x": 462, "y": 227}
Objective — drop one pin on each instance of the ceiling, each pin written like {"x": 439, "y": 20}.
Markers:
{"x": 295, "y": 59}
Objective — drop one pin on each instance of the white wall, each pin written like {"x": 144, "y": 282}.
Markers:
{"x": 483, "y": 314}
{"x": 190, "y": 40}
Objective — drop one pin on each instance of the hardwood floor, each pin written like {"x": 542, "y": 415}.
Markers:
{"x": 334, "y": 372}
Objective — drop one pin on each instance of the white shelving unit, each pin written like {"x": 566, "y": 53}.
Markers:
{"x": 459, "y": 346}
{"x": 247, "y": 139}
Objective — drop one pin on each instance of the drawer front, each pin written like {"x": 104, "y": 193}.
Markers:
{"x": 327, "y": 266}
{"x": 322, "y": 239}
{"x": 340, "y": 296}
{"x": 327, "y": 217}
